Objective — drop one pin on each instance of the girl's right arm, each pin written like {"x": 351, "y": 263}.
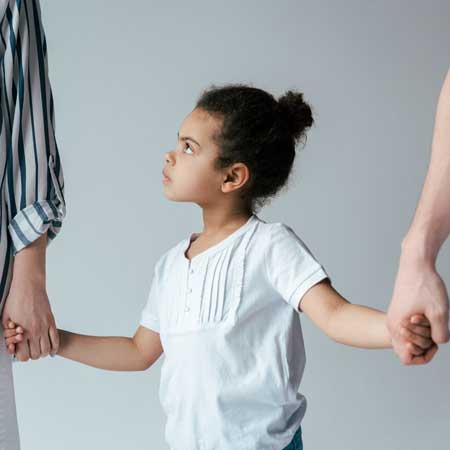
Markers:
{"x": 112, "y": 352}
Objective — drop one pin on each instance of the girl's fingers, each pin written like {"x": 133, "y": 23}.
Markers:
{"x": 11, "y": 349}
{"x": 14, "y": 339}
{"x": 12, "y": 326}
{"x": 8, "y": 333}
{"x": 420, "y": 330}
{"x": 420, "y": 319}
{"x": 12, "y": 332}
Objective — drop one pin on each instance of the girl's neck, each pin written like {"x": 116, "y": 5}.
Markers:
{"x": 223, "y": 221}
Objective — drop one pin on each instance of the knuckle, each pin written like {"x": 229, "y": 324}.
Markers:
{"x": 33, "y": 330}
{"x": 438, "y": 314}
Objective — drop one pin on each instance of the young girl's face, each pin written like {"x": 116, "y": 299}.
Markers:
{"x": 191, "y": 175}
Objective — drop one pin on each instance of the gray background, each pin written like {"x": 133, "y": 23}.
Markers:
{"x": 124, "y": 75}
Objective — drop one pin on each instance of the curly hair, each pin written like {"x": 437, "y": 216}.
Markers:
{"x": 260, "y": 132}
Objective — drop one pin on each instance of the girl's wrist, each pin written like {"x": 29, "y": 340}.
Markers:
{"x": 388, "y": 336}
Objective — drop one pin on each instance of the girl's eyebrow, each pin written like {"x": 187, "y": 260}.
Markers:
{"x": 187, "y": 138}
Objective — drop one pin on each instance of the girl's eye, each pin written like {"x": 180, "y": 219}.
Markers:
{"x": 189, "y": 147}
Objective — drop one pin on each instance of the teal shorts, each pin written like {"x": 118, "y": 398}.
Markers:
{"x": 296, "y": 443}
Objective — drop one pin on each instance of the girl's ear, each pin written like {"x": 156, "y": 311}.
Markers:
{"x": 236, "y": 177}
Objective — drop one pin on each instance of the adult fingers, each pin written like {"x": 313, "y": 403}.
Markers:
{"x": 417, "y": 329}
{"x": 439, "y": 326}
{"x": 419, "y": 341}
{"x": 420, "y": 330}
{"x": 54, "y": 338}
{"x": 45, "y": 346}
{"x": 400, "y": 349}
{"x": 35, "y": 348}
{"x": 430, "y": 353}
{"x": 12, "y": 349}
{"x": 425, "y": 358}
{"x": 23, "y": 351}
{"x": 414, "y": 349}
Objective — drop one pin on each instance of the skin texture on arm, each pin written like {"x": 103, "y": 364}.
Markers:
{"x": 27, "y": 303}
{"x": 113, "y": 352}
{"x": 418, "y": 288}
{"x": 354, "y": 325}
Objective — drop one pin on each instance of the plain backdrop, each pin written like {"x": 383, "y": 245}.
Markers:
{"x": 124, "y": 75}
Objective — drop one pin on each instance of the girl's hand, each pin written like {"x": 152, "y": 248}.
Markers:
{"x": 13, "y": 335}
{"x": 418, "y": 335}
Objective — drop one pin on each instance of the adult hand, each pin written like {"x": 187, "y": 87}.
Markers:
{"x": 27, "y": 304}
{"x": 418, "y": 290}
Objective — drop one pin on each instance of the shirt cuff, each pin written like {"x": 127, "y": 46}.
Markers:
{"x": 34, "y": 221}
{"x": 296, "y": 297}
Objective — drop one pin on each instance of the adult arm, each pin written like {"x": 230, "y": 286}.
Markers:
{"x": 418, "y": 286}
{"x": 34, "y": 177}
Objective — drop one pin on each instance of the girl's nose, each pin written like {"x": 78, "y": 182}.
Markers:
{"x": 168, "y": 157}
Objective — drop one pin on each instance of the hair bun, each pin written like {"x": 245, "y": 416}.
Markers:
{"x": 296, "y": 113}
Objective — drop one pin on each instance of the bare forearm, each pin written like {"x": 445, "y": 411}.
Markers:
{"x": 108, "y": 352}
{"x": 360, "y": 326}
{"x": 431, "y": 223}
{"x": 29, "y": 263}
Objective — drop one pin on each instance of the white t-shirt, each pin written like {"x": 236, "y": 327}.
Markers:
{"x": 232, "y": 339}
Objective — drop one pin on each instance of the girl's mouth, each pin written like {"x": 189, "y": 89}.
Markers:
{"x": 165, "y": 178}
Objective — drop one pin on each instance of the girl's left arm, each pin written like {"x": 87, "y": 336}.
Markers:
{"x": 344, "y": 322}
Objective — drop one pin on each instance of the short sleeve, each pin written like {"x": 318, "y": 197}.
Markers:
{"x": 291, "y": 267}
{"x": 150, "y": 313}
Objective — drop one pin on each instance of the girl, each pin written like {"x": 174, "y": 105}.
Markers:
{"x": 224, "y": 304}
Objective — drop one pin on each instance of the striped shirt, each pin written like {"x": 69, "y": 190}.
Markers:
{"x": 31, "y": 177}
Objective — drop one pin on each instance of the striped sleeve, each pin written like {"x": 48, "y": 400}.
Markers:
{"x": 34, "y": 177}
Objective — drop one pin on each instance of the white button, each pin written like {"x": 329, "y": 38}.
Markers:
{"x": 192, "y": 270}
{"x": 187, "y": 309}
{"x": 190, "y": 290}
